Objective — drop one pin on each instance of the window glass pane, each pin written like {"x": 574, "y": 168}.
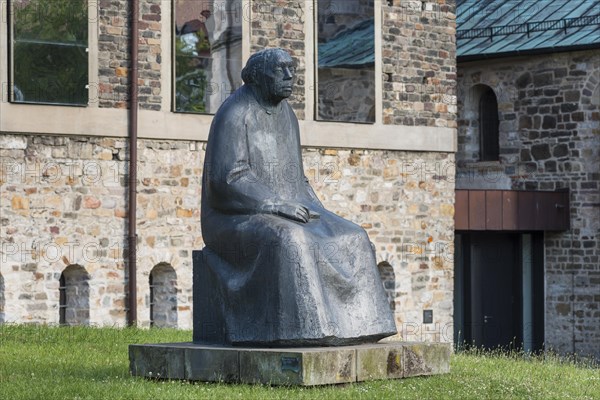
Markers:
{"x": 49, "y": 51}
{"x": 208, "y": 53}
{"x": 346, "y": 60}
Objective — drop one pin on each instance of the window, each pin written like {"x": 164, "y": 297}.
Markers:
{"x": 346, "y": 61}
{"x": 74, "y": 296}
{"x": 489, "y": 126}
{"x": 49, "y": 54}
{"x": 208, "y": 53}
{"x": 163, "y": 297}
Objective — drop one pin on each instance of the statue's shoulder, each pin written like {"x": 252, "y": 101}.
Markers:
{"x": 236, "y": 108}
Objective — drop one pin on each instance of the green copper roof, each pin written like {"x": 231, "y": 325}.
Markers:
{"x": 351, "y": 48}
{"x": 488, "y": 28}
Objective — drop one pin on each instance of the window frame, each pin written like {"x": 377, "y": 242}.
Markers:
{"x": 91, "y": 51}
{"x": 312, "y": 62}
{"x": 94, "y": 121}
{"x": 245, "y": 47}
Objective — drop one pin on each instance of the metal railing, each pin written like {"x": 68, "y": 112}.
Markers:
{"x": 528, "y": 27}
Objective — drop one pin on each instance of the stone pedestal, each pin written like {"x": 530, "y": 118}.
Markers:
{"x": 287, "y": 366}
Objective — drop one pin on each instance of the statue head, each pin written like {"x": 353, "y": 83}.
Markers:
{"x": 271, "y": 73}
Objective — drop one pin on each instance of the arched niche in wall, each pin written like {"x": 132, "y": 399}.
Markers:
{"x": 74, "y": 296}
{"x": 481, "y": 109}
{"x": 489, "y": 126}
{"x": 163, "y": 296}
{"x": 388, "y": 278}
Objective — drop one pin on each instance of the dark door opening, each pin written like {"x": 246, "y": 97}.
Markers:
{"x": 499, "y": 290}
{"x": 493, "y": 305}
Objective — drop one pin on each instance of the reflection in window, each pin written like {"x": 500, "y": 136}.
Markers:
{"x": 346, "y": 61}
{"x": 208, "y": 53}
{"x": 49, "y": 51}
{"x": 489, "y": 126}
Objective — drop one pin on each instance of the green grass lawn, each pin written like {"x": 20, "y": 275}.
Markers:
{"x": 86, "y": 363}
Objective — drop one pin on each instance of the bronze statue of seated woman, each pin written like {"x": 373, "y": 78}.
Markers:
{"x": 278, "y": 268}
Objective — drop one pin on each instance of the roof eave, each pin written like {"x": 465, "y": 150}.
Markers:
{"x": 515, "y": 53}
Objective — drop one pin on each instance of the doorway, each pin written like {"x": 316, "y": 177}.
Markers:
{"x": 499, "y": 290}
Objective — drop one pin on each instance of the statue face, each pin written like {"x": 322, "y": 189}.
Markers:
{"x": 278, "y": 77}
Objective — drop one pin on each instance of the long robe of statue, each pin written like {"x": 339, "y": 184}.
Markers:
{"x": 265, "y": 278}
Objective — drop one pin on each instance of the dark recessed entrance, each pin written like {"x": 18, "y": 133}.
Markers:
{"x": 499, "y": 290}
{"x": 492, "y": 289}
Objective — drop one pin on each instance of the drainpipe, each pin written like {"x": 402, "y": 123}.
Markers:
{"x": 133, "y": 127}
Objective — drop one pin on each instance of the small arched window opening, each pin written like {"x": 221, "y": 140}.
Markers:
{"x": 489, "y": 132}
{"x": 163, "y": 297}
{"x": 74, "y": 296}
{"x": 2, "y": 316}
{"x": 388, "y": 278}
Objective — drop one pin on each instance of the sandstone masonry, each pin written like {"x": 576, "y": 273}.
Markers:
{"x": 65, "y": 205}
{"x": 63, "y": 197}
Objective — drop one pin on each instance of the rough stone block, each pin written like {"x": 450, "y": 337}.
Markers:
{"x": 541, "y": 151}
{"x": 298, "y": 367}
{"x": 379, "y": 362}
{"x": 212, "y": 364}
{"x": 157, "y": 361}
{"x": 426, "y": 359}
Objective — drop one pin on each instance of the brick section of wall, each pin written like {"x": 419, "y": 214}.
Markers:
{"x": 66, "y": 204}
{"x": 549, "y": 139}
{"x": 278, "y": 23}
{"x": 419, "y": 63}
{"x": 114, "y": 58}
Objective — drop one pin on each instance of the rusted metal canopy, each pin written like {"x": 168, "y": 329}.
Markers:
{"x": 509, "y": 210}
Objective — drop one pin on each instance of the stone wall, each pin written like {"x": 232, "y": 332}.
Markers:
{"x": 114, "y": 53}
{"x": 63, "y": 199}
{"x": 549, "y": 140}
{"x": 405, "y": 201}
{"x": 63, "y": 202}
{"x": 419, "y": 63}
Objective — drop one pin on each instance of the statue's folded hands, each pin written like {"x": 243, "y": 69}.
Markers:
{"x": 291, "y": 210}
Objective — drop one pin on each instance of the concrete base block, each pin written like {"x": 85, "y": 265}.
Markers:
{"x": 299, "y": 366}
{"x": 426, "y": 359}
